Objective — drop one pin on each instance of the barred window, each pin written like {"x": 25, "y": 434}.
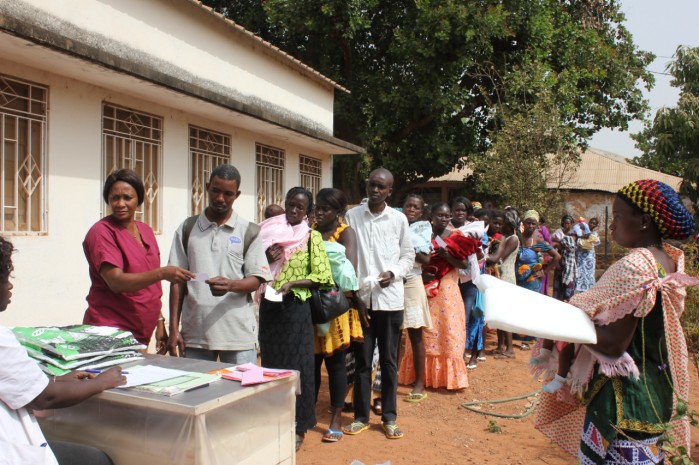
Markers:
{"x": 23, "y": 118}
{"x": 270, "y": 171}
{"x": 133, "y": 140}
{"x": 311, "y": 170}
{"x": 208, "y": 149}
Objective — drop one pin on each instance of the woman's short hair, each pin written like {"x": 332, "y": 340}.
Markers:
{"x": 333, "y": 197}
{"x": 414, "y": 195}
{"x": 439, "y": 205}
{"x": 129, "y": 177}
{"x": 465, "y": 201}
{"x": 294, "y": 191}
{"x": 6, "y": 250}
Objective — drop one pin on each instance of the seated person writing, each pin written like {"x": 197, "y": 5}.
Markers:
{"x": 24, "y": 387}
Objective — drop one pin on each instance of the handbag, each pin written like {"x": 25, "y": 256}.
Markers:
{"x": 326, "y": 304}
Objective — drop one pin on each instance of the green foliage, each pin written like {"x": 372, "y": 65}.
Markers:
{"x": 670, "y": 143}
{"x": 425, "y": 75}
{"x": 690, "y": 317}
{"x": 493, "y": 427}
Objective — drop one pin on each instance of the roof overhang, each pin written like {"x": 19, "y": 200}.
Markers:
{"x": 38, "y": 47}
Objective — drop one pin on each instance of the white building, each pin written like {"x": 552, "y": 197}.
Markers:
{"x": 166, "y": 87}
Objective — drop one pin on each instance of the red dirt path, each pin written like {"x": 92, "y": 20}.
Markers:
{"x": 439, "y": 432}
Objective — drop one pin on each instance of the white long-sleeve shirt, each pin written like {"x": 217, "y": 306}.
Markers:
{"x": 383, "y": 244}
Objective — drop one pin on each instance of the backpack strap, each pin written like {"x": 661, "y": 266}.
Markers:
{"x": 187, "y": 227}
{"x": 251, "y": 234}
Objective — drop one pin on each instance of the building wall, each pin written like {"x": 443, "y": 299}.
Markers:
{"x": 187, "y": 43}
{"x": 51, "y": 277}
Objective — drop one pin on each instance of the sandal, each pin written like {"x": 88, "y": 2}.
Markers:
{"x": 377, "y": 407}
{"x": 504, "y": 357}
{"x": 524, "y": 346}
{"x": 332, "y": 436}
{"x": 415, "y": 397}
{"x": 391, "y": 431}
{"x": 471, "y": 366}
{"x": 355, "y": 427}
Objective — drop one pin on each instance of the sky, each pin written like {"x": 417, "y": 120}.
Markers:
{"x": 657, "y": 26}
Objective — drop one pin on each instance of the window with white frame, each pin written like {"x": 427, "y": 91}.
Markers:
{"x": 269, "y": 165}
{"x": 23, "y": 116}
{"x": 311, "y": 170}
{"x": 132, "y": 139}
{"x": 208, "y": 149}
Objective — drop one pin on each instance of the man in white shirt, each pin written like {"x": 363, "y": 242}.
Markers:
{"x": 385, "y": 256}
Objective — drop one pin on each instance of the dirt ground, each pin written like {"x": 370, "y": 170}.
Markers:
{"x": 439, "y": 432}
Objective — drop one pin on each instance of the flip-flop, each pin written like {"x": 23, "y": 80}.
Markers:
{"x": 503, "y": 357}
{"x": 481, "y": 358}
{"x": 391, "y": 431}
{"x": 332, "y": 436}
{"x": 471, "y": 366}
{"x": 355, "y": 427}
{"x": 415, "y": 397}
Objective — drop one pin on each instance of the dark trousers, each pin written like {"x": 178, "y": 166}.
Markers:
{"x": 68, "y": 453}
{"x": 384, "y": 332}
{"x": 337, "y": 377}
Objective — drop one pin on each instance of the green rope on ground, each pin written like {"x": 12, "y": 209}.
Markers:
{"x": 529, "y": 411}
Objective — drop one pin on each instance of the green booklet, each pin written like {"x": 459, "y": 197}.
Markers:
{"x": 77, "y": 341}
{"x": 180, "y": 384}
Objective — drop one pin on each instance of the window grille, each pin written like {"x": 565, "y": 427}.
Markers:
{"x": 311, "y": 170}
{"x": 270, "y": 172}
{"x": 133, "y": 140}
{"x": 208, "y": 149}
{"x": 23, "y": 119}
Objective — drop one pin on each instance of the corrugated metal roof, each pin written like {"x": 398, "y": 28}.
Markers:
{"x": 604, "y": 171}
{"x": 599, "y": 170}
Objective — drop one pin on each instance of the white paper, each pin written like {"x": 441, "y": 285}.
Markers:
{"x": 149, "y": 374}
{"x": 440, "y": 242}
{"x": 272, "y": 295}
{"x": 200, "y": 277}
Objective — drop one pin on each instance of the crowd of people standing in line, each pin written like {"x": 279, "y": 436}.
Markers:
{"x": 401, "y": 268}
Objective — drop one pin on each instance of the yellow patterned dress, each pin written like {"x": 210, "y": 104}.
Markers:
{"x": 344, "y": 329}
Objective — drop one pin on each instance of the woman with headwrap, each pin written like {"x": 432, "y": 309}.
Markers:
{"x": 506, "y": 256}
{"x": 634, "y": 381}
{"x": 565, "y": 273}
{"x": 530, "y": 263}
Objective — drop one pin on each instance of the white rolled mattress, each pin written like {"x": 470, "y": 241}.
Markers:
{"x": 515, "y": 309}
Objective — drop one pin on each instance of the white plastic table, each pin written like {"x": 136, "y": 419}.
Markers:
{"x": 221, "y": 424}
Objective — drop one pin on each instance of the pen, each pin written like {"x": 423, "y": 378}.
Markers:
{"x": 95, "y": 370}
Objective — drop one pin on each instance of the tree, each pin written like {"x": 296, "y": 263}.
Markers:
{"x": 424, "y": 73}
{"x": 670, "y": 143}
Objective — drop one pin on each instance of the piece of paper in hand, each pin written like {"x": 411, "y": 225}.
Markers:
{"x": 370, "y": 281}
{"x": 272, "y": 295}
{"x": 440, "y": 242}
{"x": 200, "y": 277}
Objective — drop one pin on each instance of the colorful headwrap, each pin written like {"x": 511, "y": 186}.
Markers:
{"x": 663, "y": 205}
{"x": 476, "y": 205}
{"x": 531, "y": 214}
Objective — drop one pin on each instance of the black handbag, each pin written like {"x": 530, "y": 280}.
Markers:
{"x": 326, "y": 304}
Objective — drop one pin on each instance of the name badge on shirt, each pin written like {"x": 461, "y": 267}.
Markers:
{"x": 234, "y": 240}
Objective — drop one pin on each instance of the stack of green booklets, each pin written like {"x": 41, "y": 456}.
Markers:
{"x": 59, "y": 350}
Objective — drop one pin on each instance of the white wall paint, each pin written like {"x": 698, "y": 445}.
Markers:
{"x": 185, "y": 36}
{"x": 51, "y": 277}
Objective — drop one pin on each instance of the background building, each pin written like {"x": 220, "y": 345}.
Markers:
{"x": 165, "y": 87}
